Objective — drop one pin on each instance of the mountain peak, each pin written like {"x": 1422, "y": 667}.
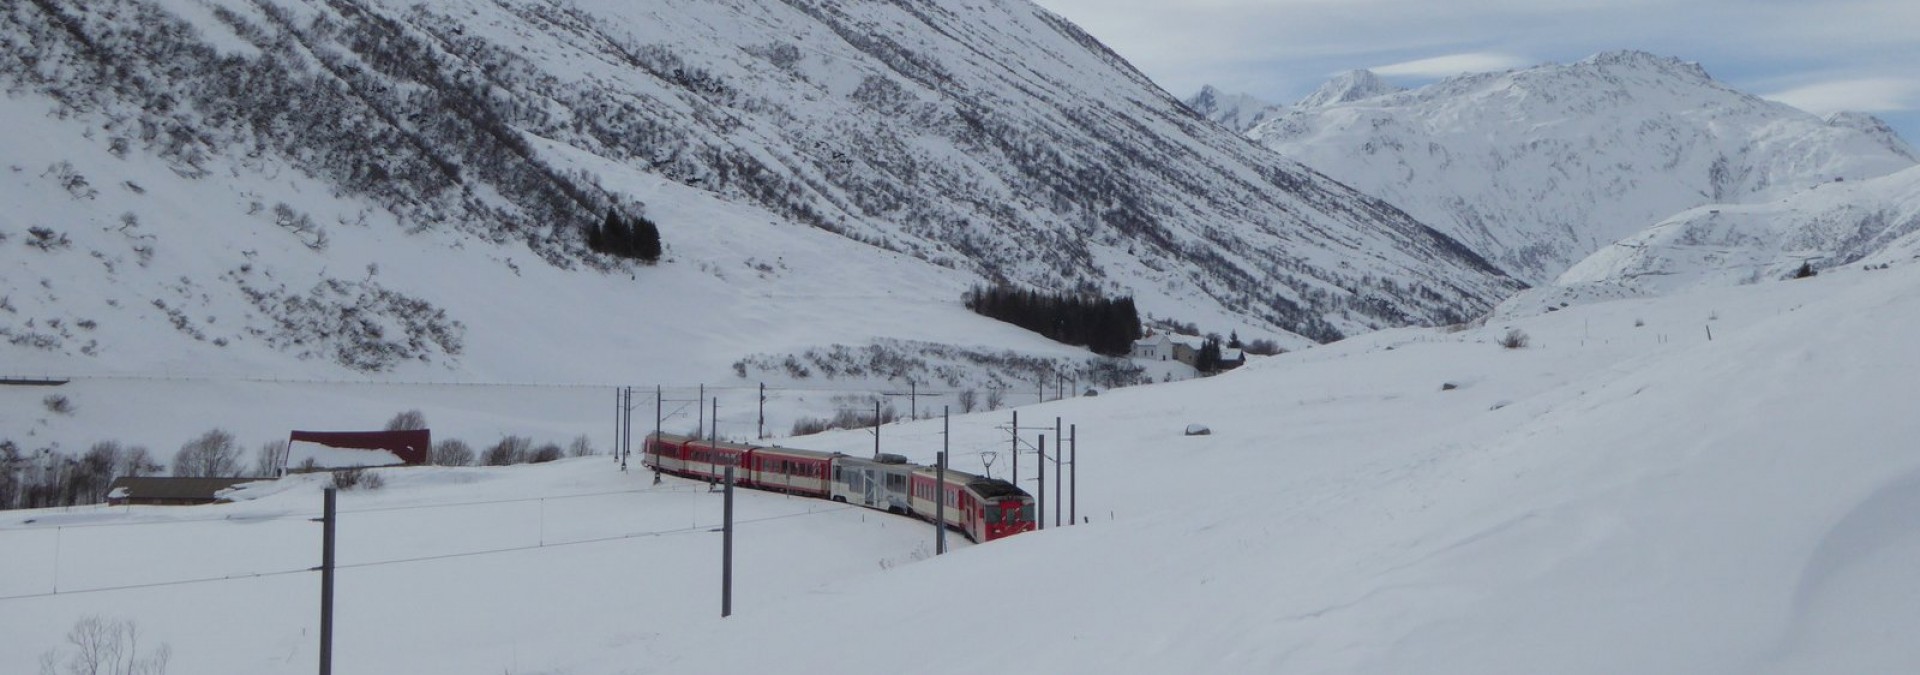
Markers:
{"x": 1875, "y": 128}
{"x": 1238, "y": 112}
{"x": 1639, "y": 59}
{"x": 1347, "y": 87}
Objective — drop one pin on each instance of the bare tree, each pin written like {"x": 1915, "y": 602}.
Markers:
{"x": 96, "y": 471}
{"x": 271, "y": 459}
{"x": 995, "y": 398}
{"x": 106, "y": 647}
{"x": 969, "y": 399}
{"x": 407, "y": 421}
{"x": 139, "y": 462}
{"x": 581, "y": 446}
{"x": 214, "y": 454}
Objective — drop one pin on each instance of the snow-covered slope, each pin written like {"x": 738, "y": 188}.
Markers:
{"x": 1536, "y": 168}
{"x": 1832, "y": 225}
{"x": 981, "y": 141}
{"x": 1622, "y": 495}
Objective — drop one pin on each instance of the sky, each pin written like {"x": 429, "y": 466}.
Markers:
{"x": 1822, "y": 57}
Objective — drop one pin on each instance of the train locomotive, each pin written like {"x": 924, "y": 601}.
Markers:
{"x": 983, "y": 509}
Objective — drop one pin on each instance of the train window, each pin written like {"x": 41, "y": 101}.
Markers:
{"x": 896, "y": 482}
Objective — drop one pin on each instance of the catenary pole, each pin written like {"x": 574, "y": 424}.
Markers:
{"x": 328, "y": 517}
{"x": 1041, "y": 461}
{"x": 1073, "y": 463}
{"x": 763, "y": 410}
{"x": 1058, "y": 494}
{"x": 940, "y": 504}
{"x": 726, "y": 552}
{"x": 1016, "y": 448}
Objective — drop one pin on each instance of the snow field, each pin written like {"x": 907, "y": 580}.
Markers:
{"x": 1612, "y": 498}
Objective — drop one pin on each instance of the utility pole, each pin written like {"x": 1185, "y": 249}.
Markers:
{"x": 763, "y": 410}
{"x": 913, "y": 400}
{"x": 726, "y": 551}
{"x": 619, "y": 405}
{"x": 327, "y": 518}
{"x": 876, "y": 430}
{"x": 713, "y": 437}
{"x": 701, "y": 423}
{"x": 658, "y": 409}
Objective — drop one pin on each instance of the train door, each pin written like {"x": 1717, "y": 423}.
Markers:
{"x": 869, "y": 487}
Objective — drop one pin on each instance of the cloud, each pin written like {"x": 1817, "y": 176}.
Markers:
{"x": 1872, "y": 95}
{"x": 1454, "y": 64}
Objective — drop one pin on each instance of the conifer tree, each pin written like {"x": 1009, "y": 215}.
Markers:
{"x": 647, "y": 240}
{"x": 617, "y": 235}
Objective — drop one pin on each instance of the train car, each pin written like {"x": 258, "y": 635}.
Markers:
{"x": 1006, "y": 509}
{"x": 665, "y": 452}
{"x": 709, "y": 460}
{"x": 874, "y": 483}
{"x": 800, "y": 472}
{"x": 984, "y": 509}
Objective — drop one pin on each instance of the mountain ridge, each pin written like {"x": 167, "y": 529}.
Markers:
{"x": 993, "y": 139}
{"x": 1609, "y": 145}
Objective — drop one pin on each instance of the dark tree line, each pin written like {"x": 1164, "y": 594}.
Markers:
{"x": 1105, "y": 325}
{"x": 626, "y": 237}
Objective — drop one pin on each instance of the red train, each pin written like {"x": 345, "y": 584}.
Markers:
{"x": 984, "y": 509}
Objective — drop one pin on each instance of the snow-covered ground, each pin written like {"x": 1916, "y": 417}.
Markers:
{"x": 1624, "y": 494}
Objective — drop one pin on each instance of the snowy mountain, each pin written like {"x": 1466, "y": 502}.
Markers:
{"x": 1536, "y": 168}
{"x": 1350, "y": 86}
{"x": 368, "y": 184}
{"x": 1832, "y": 225}
{"x": 1242, "y": 112}
{"x": 1238, "y": 112}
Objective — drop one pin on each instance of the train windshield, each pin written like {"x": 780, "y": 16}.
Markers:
{"x": 1010, "y": 512}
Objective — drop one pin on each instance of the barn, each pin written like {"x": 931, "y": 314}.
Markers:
{"x": 321, "y": 450}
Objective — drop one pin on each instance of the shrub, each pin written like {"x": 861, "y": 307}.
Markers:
{"x": 546, "y": 453}
{"x": 1263, "y": 347}
{"x": 58, "y": 404}
{"x": 580, "y": 447}
{"x": 451, "y": 452}
{"x": 358, "y": 478}
{"x": 510, "y": 450}
{"x": 1515, "y": 339}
